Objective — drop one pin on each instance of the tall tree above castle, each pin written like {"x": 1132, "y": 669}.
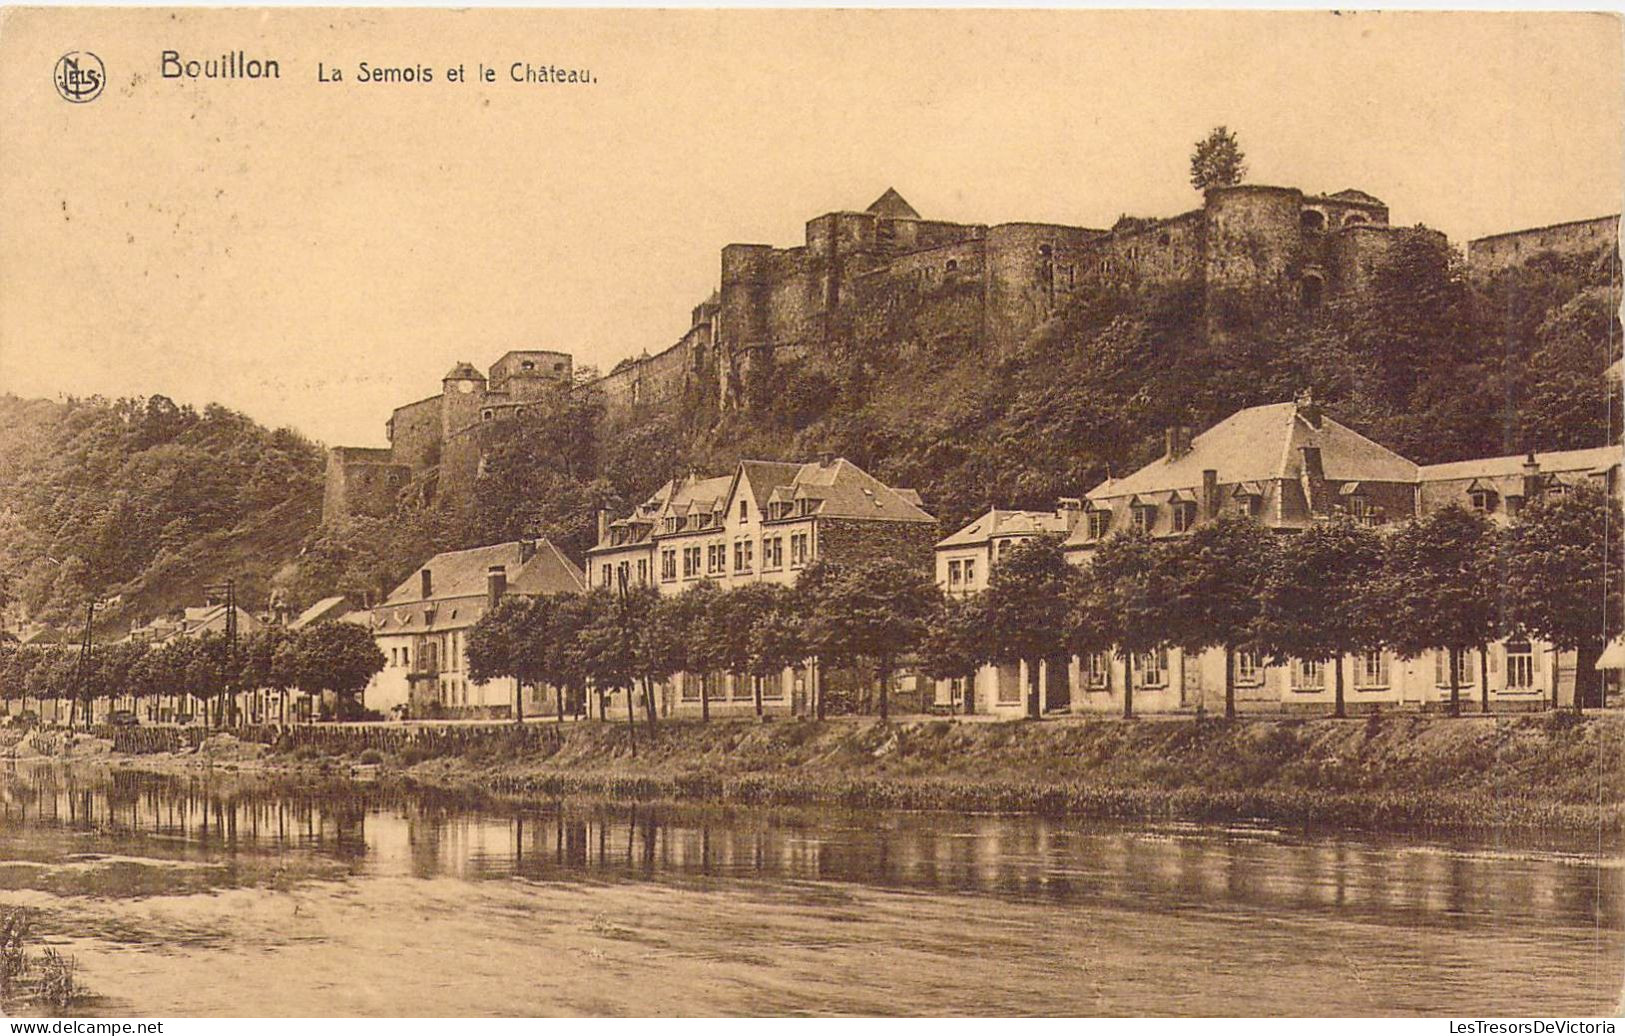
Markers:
{"x": 1218, "y": 160}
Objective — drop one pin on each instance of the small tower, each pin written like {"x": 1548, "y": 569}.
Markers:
{"x": 462, "y": 394}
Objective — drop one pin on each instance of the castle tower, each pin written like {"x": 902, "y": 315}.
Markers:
{"x": 462, "y": 393}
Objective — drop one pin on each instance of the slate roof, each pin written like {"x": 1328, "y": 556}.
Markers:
{"x": 462, "y": 573}
{"x": 1006, "y": 523}
{"x": 845, "y": 490}
{"x": 1263, "y": 443}
{"x": 326, "y": 608}
{"x": 893, "y": 206}
{"x": 1599, "y": 459}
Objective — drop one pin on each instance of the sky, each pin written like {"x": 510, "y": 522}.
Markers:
{"x": 317, "y": 253}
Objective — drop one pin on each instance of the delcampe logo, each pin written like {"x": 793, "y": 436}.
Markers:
{"x": 79, "y": 76}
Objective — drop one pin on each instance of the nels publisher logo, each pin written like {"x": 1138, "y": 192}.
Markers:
{"x": 79, "y": 76}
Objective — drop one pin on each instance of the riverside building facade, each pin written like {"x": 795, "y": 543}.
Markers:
{"x": 1289, "y": 465}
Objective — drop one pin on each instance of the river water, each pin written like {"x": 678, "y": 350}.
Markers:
{"x": 194, "y": 897}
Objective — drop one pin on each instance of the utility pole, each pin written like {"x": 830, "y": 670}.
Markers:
{"x": 229, "y": 587}
{"x": 81, "y": 672}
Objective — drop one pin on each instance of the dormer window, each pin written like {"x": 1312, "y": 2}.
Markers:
{"x": 1145, "y": 517}
{"x": 1483, "y": 500}
{"x": 1100, "y": 522}
{"x": 527, "y": 365}
{"x": 1184, "y": 513}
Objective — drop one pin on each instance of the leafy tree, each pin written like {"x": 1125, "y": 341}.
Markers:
{"x": 1219, "y": 574}
{"x": 1440, "y": 588}
{"x": 1028, "y": 607}
{"x": 878, "y": 612}
{"x": 264, "y": 659}
{"x": 1564, "y": 577}
{"x": 776, "y": 639}
{"x": 340, "y": 657}
{"x": 607, "y": 643}
{"x": 1217, "y": 160}
{"x": 1322, "y": 600}
{"x": 494, "y": 648}
{"x": 1123, "y": 602}
{"x": 955, "y": 643}
{"x": 677, "y": 639}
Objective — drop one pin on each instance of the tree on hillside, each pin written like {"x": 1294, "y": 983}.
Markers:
{"x": 1217, "y": 160}
{"x": 1440, "y": 590}
{"x": 877, "y": 612}
{"x": 955, "y": 643}
{"x": 1564, "y": 577}
{"x": 1321, "y": 601}
{"x": 1220, "y": 571}
{"x": 1028, "y": 608}
{"x": 1123, "y": 601}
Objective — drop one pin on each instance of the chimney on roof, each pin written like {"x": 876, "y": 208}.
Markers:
{"x": 1210, "y": 493}
{"x": 428, "y": 584}
{"x": 527, "y": 549}
{"x": 603, "y": 524}
{"x": 1314, "y": 480}
{"x": 825, "y": 459}
{"x": 1176, "y": 441}
{"x": 496, "y": 584}
{"x": 1069, "y": 509}
{"x": 1308, "y": 409}
{"x": 1531, "y": 479}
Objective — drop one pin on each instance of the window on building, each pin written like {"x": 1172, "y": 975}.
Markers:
{"x": 624, "y": 572}
{"x": 1100, "y": 522}
{"x": 691, "y": 562}
{"x": 1463, "y": 666}
{"x": 1557, "y": 489}
{"x": 798, "y": 549}
{"x": 772, "y": 686}
{"x": 716, "y": 686}
{"x": 1153, "y": 667}
{"x": 1249, "y": 667}
{"x": 970, "y": 571}
{"x": 1308, "y": 675}
{"x": 1483, "y": 501}
{"x": 603, "y": 578}
{"x": 1145, "y": 517}
{"x": 1097, "y": 666}
{"x": 1371, "y": 670}
{"x": 1520, "y": 665}
{"x": 1359, "y": 508}
{"x": 1184, "y": 515}
{"x": 1004, "y": 548}
{"x": 742, "y": 555}
{"x": 668, "y": 565}
{"x": 744, "y": 510}
{"x": 773, "y": 553}
{"x": 955, "y": 573}
{"x": 1255, "y": 505}
{"x": 643, "y": 571}
{"x": 691, "y": 684}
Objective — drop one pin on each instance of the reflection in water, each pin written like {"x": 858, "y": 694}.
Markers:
{"x": 1077, "y": 918}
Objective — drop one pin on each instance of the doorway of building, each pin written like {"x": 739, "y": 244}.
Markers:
{"x": 1057, "y": 684}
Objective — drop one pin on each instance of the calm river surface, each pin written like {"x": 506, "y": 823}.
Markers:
{"x": 187, "y": 897}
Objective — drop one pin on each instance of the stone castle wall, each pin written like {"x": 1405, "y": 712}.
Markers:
{"x": 1497, "y": 252}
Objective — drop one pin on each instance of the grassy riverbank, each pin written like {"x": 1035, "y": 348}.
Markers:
{"x": 1394, "y": 771}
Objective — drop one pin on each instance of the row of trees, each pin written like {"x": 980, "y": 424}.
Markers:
{"x": 1450, "y": 581}
{"x": 633, "y": 638}
{"x": 331, "y": 656}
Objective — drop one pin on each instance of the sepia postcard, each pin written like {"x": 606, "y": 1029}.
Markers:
{"x": 516, "y": 513}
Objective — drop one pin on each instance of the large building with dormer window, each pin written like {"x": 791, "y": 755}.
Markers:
{"x": 422, "y": 629}
{"x": 766, "y": 522}
{"x": 1289, "y": 465}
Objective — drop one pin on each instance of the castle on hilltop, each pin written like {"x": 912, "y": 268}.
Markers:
{"x": 1279, "y": 244}
{"x": 435, "y": 444}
